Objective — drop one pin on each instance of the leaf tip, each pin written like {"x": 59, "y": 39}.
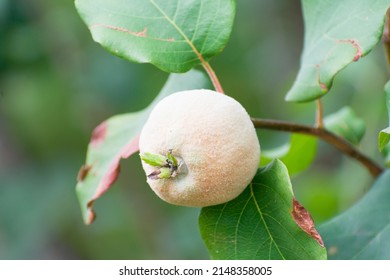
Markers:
{"x": 91, "y": 215}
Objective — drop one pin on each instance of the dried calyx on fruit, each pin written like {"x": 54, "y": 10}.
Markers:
{"x": 199, "y": 148}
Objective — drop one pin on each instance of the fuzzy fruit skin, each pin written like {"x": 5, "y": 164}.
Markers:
{"x": 214, "y": 136}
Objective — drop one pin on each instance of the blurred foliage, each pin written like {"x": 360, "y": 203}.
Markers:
{"x": 56, "y": 85}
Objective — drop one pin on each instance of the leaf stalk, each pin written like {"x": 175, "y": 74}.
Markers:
{"x": 319, "y": 114}
{"x": 213, "y": 77}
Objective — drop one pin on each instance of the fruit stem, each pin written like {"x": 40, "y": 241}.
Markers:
{"x": 339, "y": 143}
{"x": 213, "y": 77}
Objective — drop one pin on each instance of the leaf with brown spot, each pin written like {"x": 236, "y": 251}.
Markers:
{"x": 83, "y": 172}
{"x": 116, "y": 139}
{"x": 99, "y": 135}
{"x": 258, "y": 224}
{"x": 173, "y": 35}
{"x": 337, "y": 33}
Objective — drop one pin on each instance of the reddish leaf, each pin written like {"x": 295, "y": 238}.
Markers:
{"x": 99, "y": 134}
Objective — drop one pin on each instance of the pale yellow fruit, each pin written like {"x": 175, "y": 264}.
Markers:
{"x": 214, "y": 138}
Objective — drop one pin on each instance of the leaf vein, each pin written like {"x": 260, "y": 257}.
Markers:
{"x": 265, "y": 224}
{"x": 198, "y": 54}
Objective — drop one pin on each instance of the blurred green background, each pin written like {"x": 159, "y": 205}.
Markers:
{"x": 56, "y": 85}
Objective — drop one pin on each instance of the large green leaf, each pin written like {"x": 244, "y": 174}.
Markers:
{"x": 117, "y": 138}
{"x": 384, "y": 135}
{"x": 262, "y": 223}
{"x": 346, "y": 124}
{"x": 173, "y": 35}
{"x": 297, "y": 155}
{"x": 337, "y": 33}
{"x": 363, "y": 231}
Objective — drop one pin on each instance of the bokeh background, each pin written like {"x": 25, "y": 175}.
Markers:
{"x": 56, "y": 85}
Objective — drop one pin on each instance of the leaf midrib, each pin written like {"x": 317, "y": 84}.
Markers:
{"x": 264, "y": 222}
{"x": 181, "y": 32}
{"x": 286, "y": 230}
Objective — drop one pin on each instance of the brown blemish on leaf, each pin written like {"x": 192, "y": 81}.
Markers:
{"x": 121, "y": 29}
{"x": 356, "y": 45}
{"x": 142, "y": 34}
{"x": 322, "y": 85}
{"x": 99, "y": 134}
{"x": 303, "y": 219}
{"x": 91, "y": 215}
{"x": 83, "y": 172}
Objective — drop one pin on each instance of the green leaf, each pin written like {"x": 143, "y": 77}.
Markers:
{"x": 165, "y": 173}
{"x": 363, "y": 231}
{"x": 173, "y": 35}
{"x": 262, "y": 223}
{"x": 172, "y": 159}
{"x": 383, "y": 138}
{"x": 386, "y": 154}
{"x": 117, "y": 138}
{"x": 296, "y": 155}
{"x": 346, "y": 124}
{"x": 384, "y": 135}
{"x": 337, "y": 33}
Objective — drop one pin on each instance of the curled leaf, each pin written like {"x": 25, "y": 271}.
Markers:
{"x": 337, "y": 33}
